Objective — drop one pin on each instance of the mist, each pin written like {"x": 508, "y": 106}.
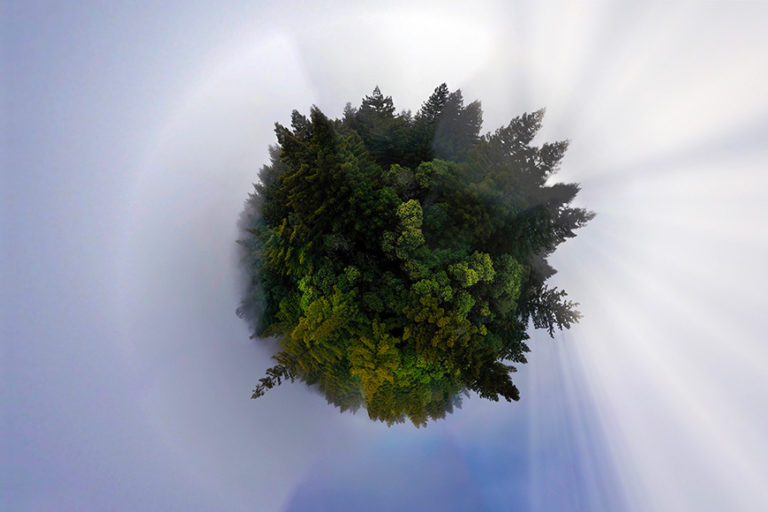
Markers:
{"x": 133, "y": 135}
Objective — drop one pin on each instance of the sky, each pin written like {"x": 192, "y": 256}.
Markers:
{"x": 131, "y": 134}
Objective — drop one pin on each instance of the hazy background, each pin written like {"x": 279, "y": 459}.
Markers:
{"x": 131, "y": 134}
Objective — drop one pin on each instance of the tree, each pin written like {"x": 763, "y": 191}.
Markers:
{"x": 399, "y": 259}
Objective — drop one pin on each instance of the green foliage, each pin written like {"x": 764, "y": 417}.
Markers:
{"x": 399, "y": 259}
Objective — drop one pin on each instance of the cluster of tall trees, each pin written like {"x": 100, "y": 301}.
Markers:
{"x": 400, "y": 258}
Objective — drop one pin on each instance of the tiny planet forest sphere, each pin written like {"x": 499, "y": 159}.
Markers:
{"x": 398, "y": 260}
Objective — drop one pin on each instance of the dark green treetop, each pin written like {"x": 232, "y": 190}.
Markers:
{"x": 399, "y": 259}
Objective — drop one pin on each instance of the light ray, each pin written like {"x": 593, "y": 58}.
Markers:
{"x": 651, "y": 342}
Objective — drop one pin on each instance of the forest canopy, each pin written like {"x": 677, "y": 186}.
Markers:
{"x": 399, "y": 259}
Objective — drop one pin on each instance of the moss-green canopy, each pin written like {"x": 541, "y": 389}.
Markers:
{"x": 399, "y": 258}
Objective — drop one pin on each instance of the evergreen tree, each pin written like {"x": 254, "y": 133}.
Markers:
{"x": 399, "y": 259}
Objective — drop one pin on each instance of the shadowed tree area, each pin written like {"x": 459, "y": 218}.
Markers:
{"x": 399, "y": 259}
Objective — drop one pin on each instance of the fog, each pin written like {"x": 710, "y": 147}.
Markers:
{"x": 132, "y": 136}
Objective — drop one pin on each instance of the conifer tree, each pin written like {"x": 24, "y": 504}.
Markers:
{"x": 399, "y": 259}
